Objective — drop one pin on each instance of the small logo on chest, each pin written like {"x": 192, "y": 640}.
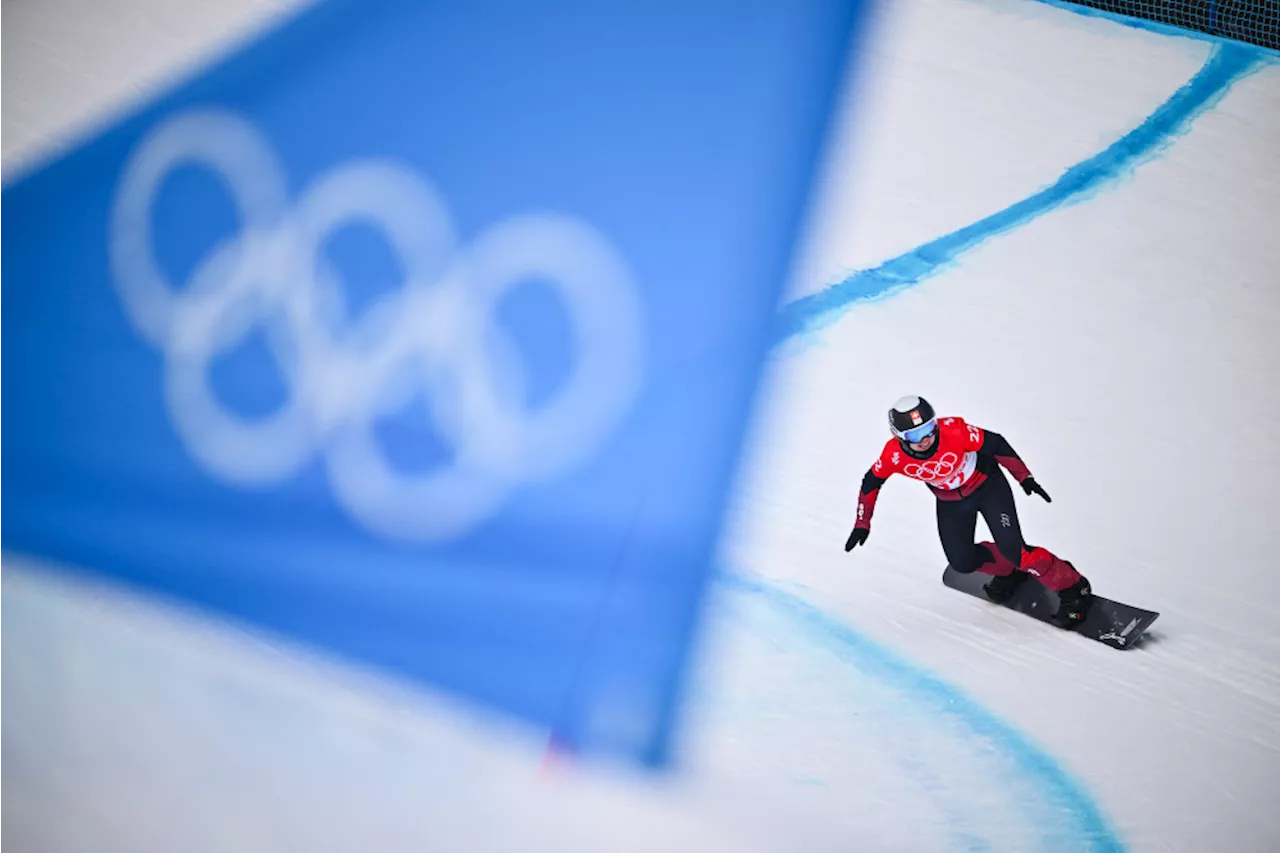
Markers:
{"x": 934, "y": 469}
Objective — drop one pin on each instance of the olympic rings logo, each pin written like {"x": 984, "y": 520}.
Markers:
{"x": 426, "y": 338}
{"x": 934, "y": 469}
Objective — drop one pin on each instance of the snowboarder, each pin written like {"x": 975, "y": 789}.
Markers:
{"x": 961, "y": 464}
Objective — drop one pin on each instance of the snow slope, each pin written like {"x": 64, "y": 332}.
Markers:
{"x": 1121, "y": 337}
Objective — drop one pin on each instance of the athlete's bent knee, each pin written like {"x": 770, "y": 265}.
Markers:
{"x": 978, "y": 557}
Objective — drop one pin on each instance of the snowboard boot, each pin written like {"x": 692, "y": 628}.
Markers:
{"x": 1073, "y": 604}
{"x": 1002, "y": 587}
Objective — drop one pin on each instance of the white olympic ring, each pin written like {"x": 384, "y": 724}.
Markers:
{"x": 435, "y": 336}
{"x": 935, "y": 469}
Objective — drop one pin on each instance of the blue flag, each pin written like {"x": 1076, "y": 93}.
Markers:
{"x": 425, "y": 334}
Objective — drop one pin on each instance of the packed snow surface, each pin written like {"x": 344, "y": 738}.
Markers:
{"x": 1122, "y": 337}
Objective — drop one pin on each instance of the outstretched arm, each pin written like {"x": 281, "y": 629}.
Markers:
{"x": 997, "y": 447}
{"x": 871, "y": 484}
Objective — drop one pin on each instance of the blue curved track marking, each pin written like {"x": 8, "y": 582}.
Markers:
{"x": 1068, "y": 820}
{"x": 1071, "y": 821}
{"x": 1227, "y": 64}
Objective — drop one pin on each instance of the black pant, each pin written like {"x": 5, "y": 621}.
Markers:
{"x": 957, "y": 521}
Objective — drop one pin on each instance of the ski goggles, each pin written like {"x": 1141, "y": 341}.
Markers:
{"x": 915, "y": 435}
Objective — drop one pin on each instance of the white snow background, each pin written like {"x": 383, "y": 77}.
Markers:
{"x": 1124, "y": 341}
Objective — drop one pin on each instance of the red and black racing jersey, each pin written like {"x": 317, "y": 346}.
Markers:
{"x": 961, "y": 459}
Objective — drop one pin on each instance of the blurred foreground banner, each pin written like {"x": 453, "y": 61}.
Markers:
{"x": 425, "y": 334}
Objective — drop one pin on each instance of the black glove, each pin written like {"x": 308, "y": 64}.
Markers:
{"x": 1030, "y": 485}
{"x": 856, "y": 538}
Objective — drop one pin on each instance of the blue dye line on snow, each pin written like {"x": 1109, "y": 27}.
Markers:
{"x": 1081, "y": 825}
{"x": 1228, "y": 63}
{"x": 1078, "y": 825}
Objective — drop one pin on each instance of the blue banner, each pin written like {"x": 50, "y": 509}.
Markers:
{"x": 426, "y": 334}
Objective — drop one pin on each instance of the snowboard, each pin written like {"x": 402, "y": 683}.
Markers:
{"x": 1114, "y": 623}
